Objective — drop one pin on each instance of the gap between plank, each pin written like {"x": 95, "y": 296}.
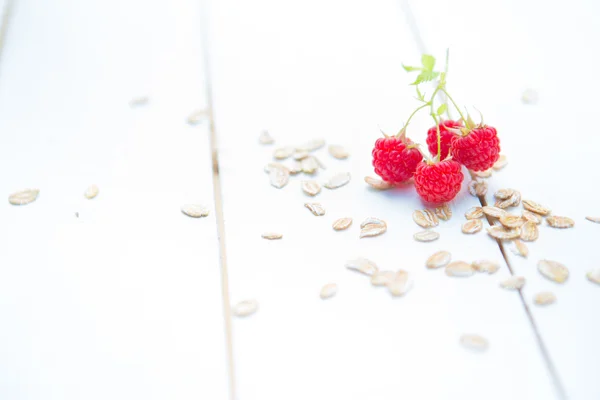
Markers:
{"x": 218, "y": 196}
{"x": 412, "y": 24}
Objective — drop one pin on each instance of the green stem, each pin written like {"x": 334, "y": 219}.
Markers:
{"x": 437, "y": 125}
{"x": 454, "y": 104}
{"x": 413, "y": 114}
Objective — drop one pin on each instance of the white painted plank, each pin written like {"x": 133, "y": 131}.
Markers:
{"x": 125, "y": 301}
{"x": 551, "y": 146}
{"x": 333, "y": 70}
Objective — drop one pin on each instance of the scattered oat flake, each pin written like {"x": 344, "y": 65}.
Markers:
{"x": 139, "y": 101}
{"x": 593, "y": 219}
{"x": 459, "y": 269}
{"x": 400, "y": 283}
{"x": 194, "y": 210}
{"x": 283, "y": 152}
{"x": 315, "y": 208}
{"x": 300, "y": 155}
{"x": 271, "y": 166}
{"x": 501, "y": 233}
{"x": 382, "y": 278}
{"x": 426, "y": 236}
{"x": 319, "y": 162}
{"x": 362, "y": 265}
{"x": 594, "y": 275}
{"x": 553, "y": 270}
{"x": 438, "y": 259}
{"x": 338, "y": 152}
{"x": 478, "y": 188}
{"x": 265, "y": 138}
{"x": 425, "y": 218}
{"x": 485, "y": 266}
{"x": 197, "y": 117}
{"x": 512, "y": 221}
{"x": 328, "y": 291}
{"x": 311, "y": 188}
{"x": 342, "y": 224}
{"x": 296, "y": 167}
{"x": 474, "y": 342}
{"x": 313, "y": 145}
{"x": 245, "y": 308}
{"x": 474, "y": 213}
{"x": 309, "y": 165}
{"x": 529, "y": 96}
{"x": 560, "y": 222}
{"x": 372, "y": 227}
{"x": 378, "y": 183}
{"x": 503, "y": 194}
{"x": 533, "y": 217}
{"x": 483, "y": 174}
{"x": 91, "y": 192}
{"x": 515, "y": 198}
{"x": 279, "y": 177}
{"x": 472, "y": 226}
{"x": 501, "y": 163}
{"x": 494, "y": 212}
{"x": 23, "y": 197}
{"x": 520, "y": 249}
{"x": 535, "y": 207}
{"x": 337, "y": 180}
{"x": 544, "y": 298}
{"x": 271, "y": 236}
{"x": 514, "y": 282}
{"x": 529, "y": 231}
{"x": 443, "y": 212}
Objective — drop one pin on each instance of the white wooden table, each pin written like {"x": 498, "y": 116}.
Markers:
{"x": 130, "y": 299}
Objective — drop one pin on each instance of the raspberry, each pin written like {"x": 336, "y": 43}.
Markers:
{"x": 478, "y": 150}
{"x": 439, "y": 182}
{"x": 394, "y": 161}
{"x": 445, "y": 135}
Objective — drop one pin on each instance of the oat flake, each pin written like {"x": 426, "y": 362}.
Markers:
{"x": 315, "y": 208}
{"x": 311, "y": 146}
{"x": 485, "y": 266}
{"x": 535, "y": 207}
{"x": 309, "y": 165}
{"x": 438, "y": 259}
{"x": 382, "y": 278}
{"x": 520, "y": 249}
{"x": 426, "y": 236}
{"x": 300, "y": 155}
{"x": 443, "y": 212}
{"x": 544, "y": 298}
{"x": 494, "y": 212}
{"x": 514, "y": 282}
{"x": 560, "y": 222}
{"x": 338, "y": 152}
{"x": 459, "y": 269}
{"x": 338, "y": 180}
{"x": 265, "y": 138}
{"x": 271, "y": 236}
{"x": 529, "y": 231}
{"x": 425, "y": 218}
{"x": 197, "y": 117}
{"x": 553, "y": 270}
{"x": 594, "y": 275}
{"x": 311, "y": 188}
{"x": 283, "y": 152}
{"x": 472, "y": 226}
{"x": 245, "y": 308}
{"x": 483, "y": 174}
{"x": 372, "y": 227}
{"x": 533, "y": 217}
{"x": 504, "y": 194}
{"x": 593, "y": 219}
{"x": 501, "y": 163}
{"x": 91, "y": 192}
{"x": 328, "y": 291}
{"x": 342, "y": 224}
{"x": 362, "y": 265}
{"x": 378, "y": 183}
{"x": 501, "y": 233}
{"x": 512, "y": 221}
{"x": 194, "y": 210}
{"x": 474, "y": 213}
{"x": 23, "y": 197}
{"x": 400, "y": 283}
{"x": 474, "y": 342}
{"x": 279, "y": 177}
{"x": 478, "y": 188}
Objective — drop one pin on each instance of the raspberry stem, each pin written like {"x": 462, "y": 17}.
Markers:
{"x": 412, "y": 115}
{"x": 454, "y": 104}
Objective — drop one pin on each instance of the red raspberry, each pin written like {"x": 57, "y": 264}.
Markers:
{"x": 393, "y": 160}
{"x": 439, "y": 182}
{"x": 445, "y": 135}
{"x": 478, "y": 150}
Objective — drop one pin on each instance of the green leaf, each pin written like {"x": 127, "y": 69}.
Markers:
{"x": 425, "y": 76}
{"x": 408, "y": 68}
{"x": 442, "y": 109}
{"x": 428, "y": 62}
